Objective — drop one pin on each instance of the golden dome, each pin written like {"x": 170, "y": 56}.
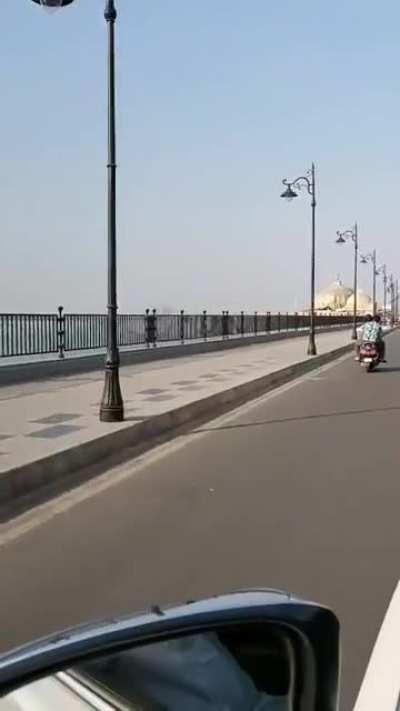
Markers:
{"x": 364, "y": 302}
{"x": 334, "y": 297}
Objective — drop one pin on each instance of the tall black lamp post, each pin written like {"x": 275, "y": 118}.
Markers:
{"x": 342, "y": 237}
{"x": 391, "y": 291}
{"x": 112, "y": 406}
{"x": 383, "y": 270}
{"x": 371, "y": 257}
{"x": 293, "y": 187}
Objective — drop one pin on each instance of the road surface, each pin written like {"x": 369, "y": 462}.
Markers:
{"x": 299, "y": 490}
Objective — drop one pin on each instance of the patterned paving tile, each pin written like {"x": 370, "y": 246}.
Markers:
{"x": 54, "y": 432}
{"x": 86, "y": 380}
{"x": 153, "y": 391}
{"x": 160, "y": 398}
{"x": 184, "y": 382}
{"x": 5, "y": 436}
{"x": 191, "y": 388}
{"x": 56, "y": 418}
{"x": 217, "y": 379}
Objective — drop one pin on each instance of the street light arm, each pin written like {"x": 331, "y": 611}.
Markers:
{"x": 348, "y": 234}
{"x": 299, "y": 183}
{"x": 343, "y": 237}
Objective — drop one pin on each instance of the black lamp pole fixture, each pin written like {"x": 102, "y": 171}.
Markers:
{"x": 371, "y": 257}
{"x": 111, "y": 406}
{"x": 342, "y": 237}
{"x": 391, "y": 291}
{"x": 293, "y": 187}
{"x": 383, "y": 270}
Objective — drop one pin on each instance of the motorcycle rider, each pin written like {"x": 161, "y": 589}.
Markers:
{"x": 360, "y": 334}
{"x": 380, "y": 341}
{"x": 372, "y": 333}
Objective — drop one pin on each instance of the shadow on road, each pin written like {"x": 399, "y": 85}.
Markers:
{"x": 388, "y": 370}
{"x": 301, "y": 418}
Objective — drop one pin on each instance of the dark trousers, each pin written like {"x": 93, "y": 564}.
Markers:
{"x": 381, "y": 349}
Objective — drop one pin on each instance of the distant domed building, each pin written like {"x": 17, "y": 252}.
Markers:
{"x": 334, "y": 297}
{"x": 364, "y": 302}
{"x": 339, "y": 298}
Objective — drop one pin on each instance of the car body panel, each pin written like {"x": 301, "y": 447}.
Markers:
{"x": 316, "y": 627}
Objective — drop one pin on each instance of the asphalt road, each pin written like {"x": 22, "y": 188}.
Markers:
{"x": 299, "y": 490}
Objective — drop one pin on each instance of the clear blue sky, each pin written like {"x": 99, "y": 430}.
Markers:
{"x": 218, "y": 100}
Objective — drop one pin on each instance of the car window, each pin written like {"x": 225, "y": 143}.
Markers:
{"x": 203, "y": 671}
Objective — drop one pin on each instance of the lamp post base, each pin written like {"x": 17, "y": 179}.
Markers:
{"x": 354, "y": 335}
{"x": 111, "y": 406}
{"x": 312, "y": 348}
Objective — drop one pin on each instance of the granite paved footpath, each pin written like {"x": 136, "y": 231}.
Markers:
{"x": 41, "y": 419}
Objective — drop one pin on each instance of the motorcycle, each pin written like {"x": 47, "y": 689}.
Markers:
{"x": 369, "y": 356}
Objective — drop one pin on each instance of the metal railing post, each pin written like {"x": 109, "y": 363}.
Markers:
{"x": 154, "y": 328}
{"x": 147, "y": 328}
{"x": 204, "y": 325}
{"x": 223, "y": 325}
{"x": 151, "y": 328}
{"x": 182, "y": 326}
{"x": 61, "y": 332}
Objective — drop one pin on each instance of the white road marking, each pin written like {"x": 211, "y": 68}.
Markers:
{"x": 42, "y": 514}
{"x": 381, "y": 685}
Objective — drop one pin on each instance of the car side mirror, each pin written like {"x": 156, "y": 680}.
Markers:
{"x": 253, "y": 650}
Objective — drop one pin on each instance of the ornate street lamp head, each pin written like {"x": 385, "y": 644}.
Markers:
{"x": 53, "y": 4}
{"x": 363, "y": 260}
{"x": 340, "y": 239}
{"x": 289, "y": 193}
